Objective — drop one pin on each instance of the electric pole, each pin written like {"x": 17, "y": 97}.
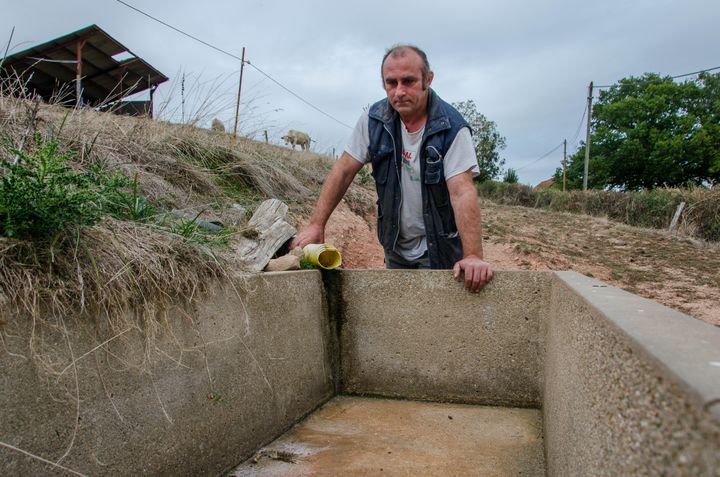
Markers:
{"x": 587, "y": 136}
{"x": 564, "y": 161}
{"x": 237, "y": 107}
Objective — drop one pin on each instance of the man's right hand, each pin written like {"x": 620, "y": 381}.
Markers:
{"x": 310, "y": 234}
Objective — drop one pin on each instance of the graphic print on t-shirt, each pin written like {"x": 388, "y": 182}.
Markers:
{"x": 408, "y": 158}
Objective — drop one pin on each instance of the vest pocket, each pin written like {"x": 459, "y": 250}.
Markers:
{"x": 433, "y": 166}
{"x": 381, "y": 165}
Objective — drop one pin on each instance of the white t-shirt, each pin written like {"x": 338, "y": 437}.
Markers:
{"x": 460, "y": 158}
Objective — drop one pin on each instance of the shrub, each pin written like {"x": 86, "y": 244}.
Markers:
{"x": 511, "y": 176}
{"x": 41, "y": 195}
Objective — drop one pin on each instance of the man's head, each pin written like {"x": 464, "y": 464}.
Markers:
{"x": 406, "y": 79}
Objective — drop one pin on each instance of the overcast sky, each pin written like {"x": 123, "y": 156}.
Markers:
{"x": 526, "y": 64}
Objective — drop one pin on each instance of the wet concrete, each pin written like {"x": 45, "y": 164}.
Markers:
{"x": 380, "y": 437}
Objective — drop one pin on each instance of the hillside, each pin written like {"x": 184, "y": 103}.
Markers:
{"x": 209, "y": 176}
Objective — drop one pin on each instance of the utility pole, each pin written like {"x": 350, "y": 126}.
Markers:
{"x": 587, "y": 136}
{"x": 237, "y": 107}
{"x": 564, "y": 161}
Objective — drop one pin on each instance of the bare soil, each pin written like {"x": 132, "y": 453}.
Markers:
{"x": 674, "y": 270}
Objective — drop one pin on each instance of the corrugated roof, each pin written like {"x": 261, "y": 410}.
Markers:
{"x": 51, "y": 66}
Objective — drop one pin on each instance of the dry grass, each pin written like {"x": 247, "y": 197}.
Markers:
{"x": 120, "y": 274}
{"x": 654, "y": 208}
{"x": 125, "y": 274}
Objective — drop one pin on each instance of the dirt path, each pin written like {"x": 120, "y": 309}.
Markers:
{"x": 678, "y": 272}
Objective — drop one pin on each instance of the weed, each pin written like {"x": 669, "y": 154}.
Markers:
{"x": 215, "y": 397}
{"x": 41, "y": 195}
{"x": 524, "y": 248}
{"x": 306, "y": 265}
{"x": 193, "y": 231}
{"x": 364, "y": 176}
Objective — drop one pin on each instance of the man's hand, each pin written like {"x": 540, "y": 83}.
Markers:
{"x": 476, "y": 271}
{"x": 310, "y": 234}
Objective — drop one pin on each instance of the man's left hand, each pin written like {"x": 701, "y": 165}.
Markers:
{"x": 476, "y": 271}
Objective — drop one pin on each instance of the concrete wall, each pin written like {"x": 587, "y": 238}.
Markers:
{"x": 420, "y": 334}
{"x": 224, "y": 378}
{"x": 627, "y": 387}
{"x": 631, "y": 387}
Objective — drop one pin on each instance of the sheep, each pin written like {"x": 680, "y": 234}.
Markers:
{"x": 296, "y": 137}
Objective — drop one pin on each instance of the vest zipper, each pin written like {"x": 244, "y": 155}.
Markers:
{"x": 399, "y": 187}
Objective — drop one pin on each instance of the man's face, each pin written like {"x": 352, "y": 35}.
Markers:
{"x": 403, "y": 83}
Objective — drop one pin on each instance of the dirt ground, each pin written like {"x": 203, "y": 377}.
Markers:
{"x": 677, "y": 271}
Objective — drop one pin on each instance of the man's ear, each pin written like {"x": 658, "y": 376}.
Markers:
{"x": 429, "y": 79}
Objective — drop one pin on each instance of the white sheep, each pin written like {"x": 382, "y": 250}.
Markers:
{"x": 296, "y": 137}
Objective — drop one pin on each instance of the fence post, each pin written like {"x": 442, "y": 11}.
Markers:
{"x": 676, "y": 217}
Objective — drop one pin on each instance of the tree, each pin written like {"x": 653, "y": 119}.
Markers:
{"x": 486, "y": 139}
{"x": 511, "y": 176}
{"x": 651, "y": 131}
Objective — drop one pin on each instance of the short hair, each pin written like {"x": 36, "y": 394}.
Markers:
{"x": 398, "y": 51}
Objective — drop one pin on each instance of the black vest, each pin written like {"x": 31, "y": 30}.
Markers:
{"x": 385, "y": 152}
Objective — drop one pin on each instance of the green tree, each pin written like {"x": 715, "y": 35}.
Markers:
{"x": 487, "y": 140}
{"x": 652, "y": 131}
{"x": 511, "y": 176}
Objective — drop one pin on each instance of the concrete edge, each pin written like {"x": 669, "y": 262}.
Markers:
{"x": 412, "y": 397}
{"x": 685, "y": 349}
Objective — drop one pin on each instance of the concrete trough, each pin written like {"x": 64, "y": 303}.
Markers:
{"x": 616, "y": 384}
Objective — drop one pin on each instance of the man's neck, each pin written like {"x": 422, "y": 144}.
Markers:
{"x": 414, "y": 124}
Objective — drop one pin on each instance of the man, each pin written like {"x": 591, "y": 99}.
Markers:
{"x": 423, "y": 161}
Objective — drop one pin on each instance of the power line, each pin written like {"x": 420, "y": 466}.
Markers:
{"x": 696, "y": 72}
{"x": 580, "y": 125}
{"x": 179, "y": 30}
{"x": 673, "y": 77}
{"x": 297, "y": 96}
{"x": 577, "y": 133}
{"x": 541, "y": 157}
{"x": 239, "y": 59}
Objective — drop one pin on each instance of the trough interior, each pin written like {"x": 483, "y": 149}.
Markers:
{"x": 375, "y": 372}
{"x": 352, "y": 435}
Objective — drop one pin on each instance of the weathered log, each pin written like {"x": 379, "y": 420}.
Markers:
{"x": 272, "y": 232}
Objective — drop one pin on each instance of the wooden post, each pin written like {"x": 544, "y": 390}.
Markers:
{"x": 78, "y": 72}
{"x": 564, "y": 162}
{"x": 237, "y": 107}
{"x": 676, "y": 217}
{"x": 266, "y": 137}
{"x": 151, "y": 112}
{"x": 587, "y": 136}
